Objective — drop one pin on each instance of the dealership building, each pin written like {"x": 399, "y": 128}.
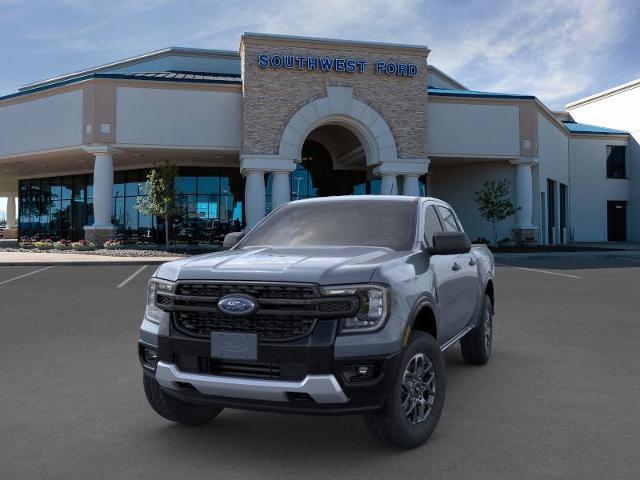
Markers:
{"x": 287, "y": 118}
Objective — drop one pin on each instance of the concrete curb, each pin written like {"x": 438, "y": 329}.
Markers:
{"x": 74, "y": 263}
{"x": 591, "y": 254}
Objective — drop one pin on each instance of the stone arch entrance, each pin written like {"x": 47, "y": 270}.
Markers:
{"x": 340, "y": 108}
{"x": 350, "y": 136}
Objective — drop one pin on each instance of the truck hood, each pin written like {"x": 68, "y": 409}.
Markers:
{"x": 322, "y": 265}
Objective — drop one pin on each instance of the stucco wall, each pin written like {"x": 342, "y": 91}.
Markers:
{"x": 42, "y": 124}
{"x": 198, "y": 118}
{"x": 620, "y": 111}
{"x": 457, "y": 186}
{"x": 590, "y": 189}
{"x": 465, "y": 129}
{"x": 271, "y": 96}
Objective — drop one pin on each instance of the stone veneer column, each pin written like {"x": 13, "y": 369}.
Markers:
{"x": 254, "y": 197}
{"x": 102, "y": 228}
{"x": 524, "y": 198}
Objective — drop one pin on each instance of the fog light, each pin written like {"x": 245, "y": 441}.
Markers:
{"x": 359, "y": 373}
{"x": 150, "y": 357}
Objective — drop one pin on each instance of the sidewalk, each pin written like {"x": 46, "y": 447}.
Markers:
{"x": 35, "y": 259}
{"x": 593, "y": 253}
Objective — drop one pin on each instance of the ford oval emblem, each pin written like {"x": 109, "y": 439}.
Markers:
{"x": 237, "y": 305}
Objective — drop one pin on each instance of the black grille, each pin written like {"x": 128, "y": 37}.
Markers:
{"x": 274, "y": 328}
{"x": 228, "y": 368}
{"x": 259, "y": 291}
{"x": 285, "y": 311}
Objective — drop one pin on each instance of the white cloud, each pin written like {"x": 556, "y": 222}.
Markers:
{"x": 553, "y": 49}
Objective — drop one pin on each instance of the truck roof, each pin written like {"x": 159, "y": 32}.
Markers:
{"x": 361, "y": 198}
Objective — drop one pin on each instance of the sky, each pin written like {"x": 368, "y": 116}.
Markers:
{"x": 558, "y": 50}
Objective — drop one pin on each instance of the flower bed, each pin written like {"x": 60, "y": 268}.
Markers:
{"x": 83, "y": 245}
{"x": 62, "y": 245}
{"x": 112, "y": 244}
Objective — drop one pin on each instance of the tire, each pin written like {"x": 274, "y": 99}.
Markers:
{"x": 392, "y": 425}
{"x": 476, "y": 345}
{"x": 176, "y": 410}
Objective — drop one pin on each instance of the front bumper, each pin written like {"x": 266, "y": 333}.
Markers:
{"x": 308, "y": 377}
{"x": 320, "y": 388}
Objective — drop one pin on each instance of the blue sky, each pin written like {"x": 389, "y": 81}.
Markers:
{"x": 557, "y": 50}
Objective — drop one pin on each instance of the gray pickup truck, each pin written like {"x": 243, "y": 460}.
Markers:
{"x": 337, "y": 305}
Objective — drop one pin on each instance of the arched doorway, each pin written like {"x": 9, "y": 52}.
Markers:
{"x": 332, "y": 162}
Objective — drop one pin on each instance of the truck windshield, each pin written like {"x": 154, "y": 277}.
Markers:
{"x": 379, "y": 223}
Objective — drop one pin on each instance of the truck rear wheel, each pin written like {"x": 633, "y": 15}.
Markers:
{"x": 176, "y": 410}
{"x": 476, "y": 345}
{"x": 415, "y": 402}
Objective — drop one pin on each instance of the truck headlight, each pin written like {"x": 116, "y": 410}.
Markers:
{"x": 372, "y": 313}
{"x": 153, "y": 310}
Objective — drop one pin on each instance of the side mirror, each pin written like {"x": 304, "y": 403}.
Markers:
{"x": 231, "y": 239}
{"x": 450, "y": 243}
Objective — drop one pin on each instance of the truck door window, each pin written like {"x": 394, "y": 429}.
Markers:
{"x": 431, "y": 225}
{"x": 449, "y": 221}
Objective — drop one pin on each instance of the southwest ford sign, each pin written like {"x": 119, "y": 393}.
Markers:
{"x": 335, "y": 64}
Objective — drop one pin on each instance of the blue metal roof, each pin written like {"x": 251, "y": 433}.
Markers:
{"x": 188, "y": 77}
{"x": 575, "y": 127}
{"x": 445, "y": 92}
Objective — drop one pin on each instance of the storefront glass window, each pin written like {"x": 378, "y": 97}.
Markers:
{"x": 208, "y": 200}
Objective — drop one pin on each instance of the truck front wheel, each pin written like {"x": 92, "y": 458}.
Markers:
{"x": 415, "y": 402}
{"x": 176, "y": 410}
{"x": 476, "y": 345}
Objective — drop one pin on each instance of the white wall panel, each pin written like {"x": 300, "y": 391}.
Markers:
{"x": 41, "y": 124}
{"x": 189, "y": 118}
{"x": 461, "y": 129}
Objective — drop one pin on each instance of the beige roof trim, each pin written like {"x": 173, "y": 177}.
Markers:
{"x": 125, "y": 82}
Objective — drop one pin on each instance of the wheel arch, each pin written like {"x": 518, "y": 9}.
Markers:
{"x": 489, "y": 290}
{"x": 423, "y": 318}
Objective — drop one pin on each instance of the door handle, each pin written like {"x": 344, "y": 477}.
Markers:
{"x": 456, "y": 267}
{"x": 472, "y": 262}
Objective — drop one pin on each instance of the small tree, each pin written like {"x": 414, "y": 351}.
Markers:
{"x": 160, "y": 193}
{"x": 494, "y": 203}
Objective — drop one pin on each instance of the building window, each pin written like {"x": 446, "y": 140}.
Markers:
{"x": 208, "y": 202}
{"x": 616, "y": 161}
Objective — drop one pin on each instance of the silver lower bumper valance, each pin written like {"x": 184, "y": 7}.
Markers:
{"x": 321, "y": 388}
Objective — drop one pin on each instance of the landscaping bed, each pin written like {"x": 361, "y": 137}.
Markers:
{"x": 121, "y": 252}
{"x": 549, "y": 248}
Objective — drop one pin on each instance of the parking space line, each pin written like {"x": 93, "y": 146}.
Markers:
{"x": 131, "y": 277}
{"x": 25, "y": 275}
{"x": 548, "y": 272}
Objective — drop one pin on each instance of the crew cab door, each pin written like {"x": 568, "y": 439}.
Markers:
{"x": 465, "y": 286}
{"x": 445, "y": 279}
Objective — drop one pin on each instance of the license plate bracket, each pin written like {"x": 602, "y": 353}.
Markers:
{"x": 234, "y": 346}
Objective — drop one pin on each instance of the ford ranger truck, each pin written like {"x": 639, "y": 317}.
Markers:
{"x": 337, "y": 305}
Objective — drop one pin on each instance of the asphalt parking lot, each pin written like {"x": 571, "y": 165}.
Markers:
{"x": 559, "y": 398}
